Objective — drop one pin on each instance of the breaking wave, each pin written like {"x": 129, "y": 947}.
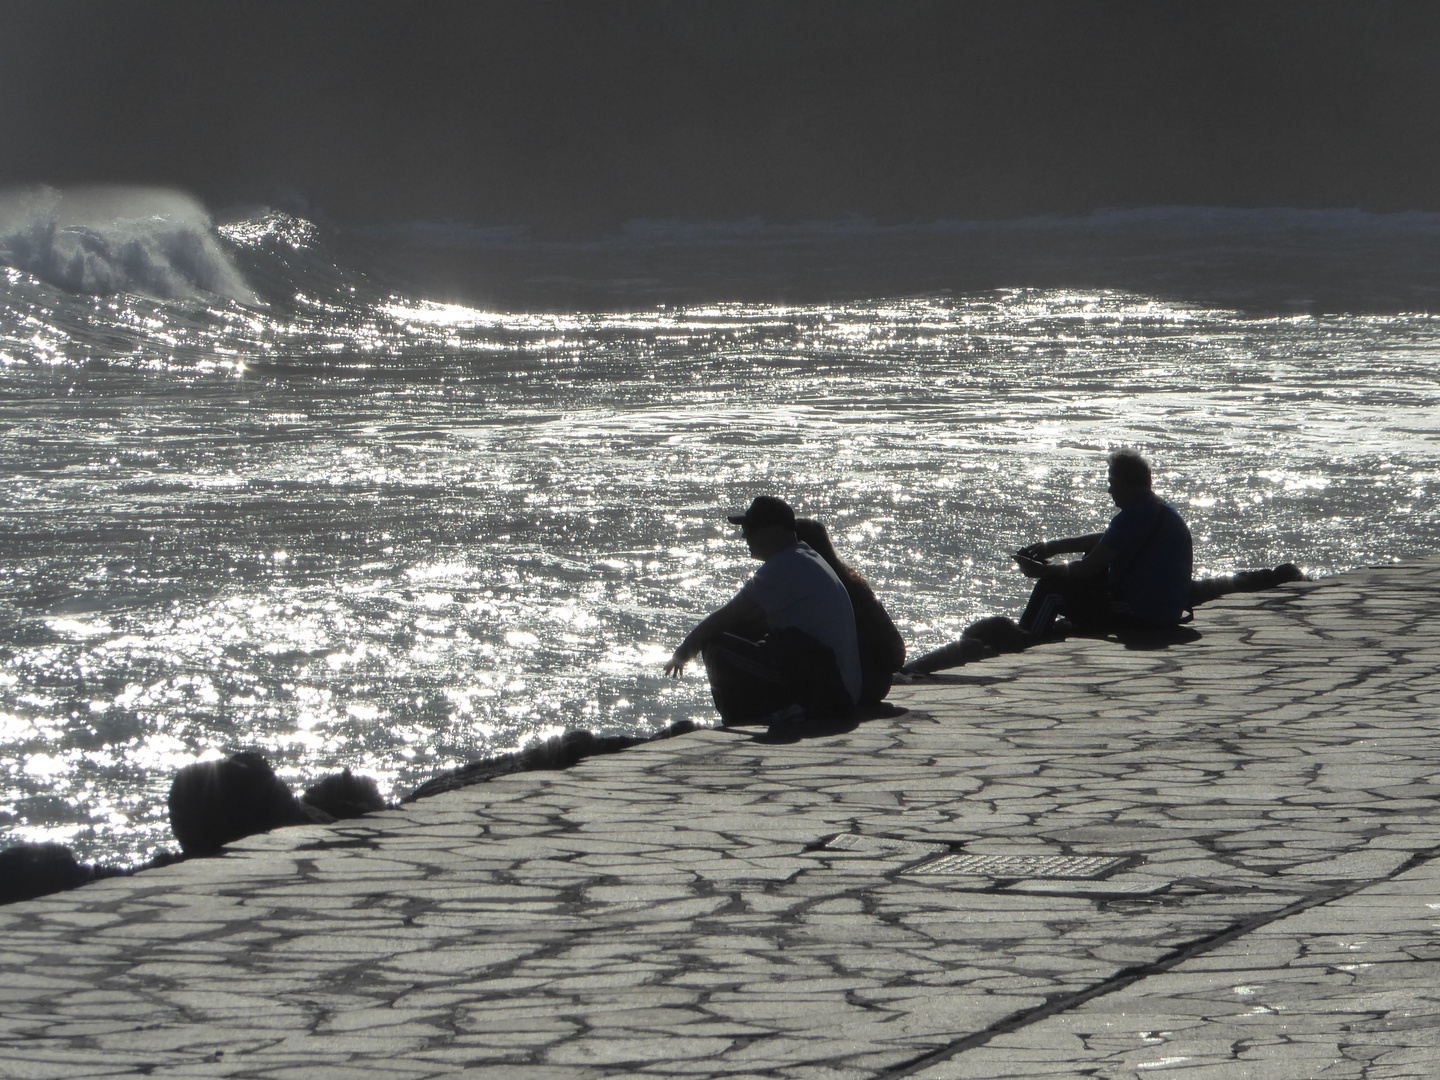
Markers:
{"x": 164, "y": 245}
{"x": 105, "y": 240}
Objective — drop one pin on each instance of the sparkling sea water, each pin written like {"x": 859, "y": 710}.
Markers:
{"x": 353, "y": 527}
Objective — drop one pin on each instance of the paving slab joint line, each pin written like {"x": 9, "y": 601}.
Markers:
{"x": 1127, "y": 976}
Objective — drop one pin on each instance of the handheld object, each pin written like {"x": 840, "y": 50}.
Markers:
{"x": 1029, "y": 565}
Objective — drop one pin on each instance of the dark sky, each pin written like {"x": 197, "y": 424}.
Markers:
{"x": 575, "y": 116}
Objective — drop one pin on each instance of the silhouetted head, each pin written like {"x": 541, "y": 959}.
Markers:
{"x": 768, "y": 526}
{"x": 1129, "y": 477}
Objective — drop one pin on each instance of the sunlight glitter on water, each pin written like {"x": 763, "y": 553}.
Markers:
{"x": 396, "y": 545}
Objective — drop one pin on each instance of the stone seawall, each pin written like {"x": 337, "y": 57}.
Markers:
{"x": 1085, "y": 859}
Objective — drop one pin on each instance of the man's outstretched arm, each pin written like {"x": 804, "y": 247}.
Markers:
{"x": 738, "y": 612}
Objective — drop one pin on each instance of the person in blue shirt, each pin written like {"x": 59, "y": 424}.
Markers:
{"x": 1134, "y": 574}
{"x": 1137, "y": 572}
{"x": 784, "y": 648}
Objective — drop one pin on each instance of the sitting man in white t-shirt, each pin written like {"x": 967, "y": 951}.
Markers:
{"x": 784, "y": 648}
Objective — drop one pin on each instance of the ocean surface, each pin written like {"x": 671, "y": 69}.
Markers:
{"x": 256, "y": 497}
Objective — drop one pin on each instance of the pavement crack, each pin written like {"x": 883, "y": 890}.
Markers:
{"x": 1061, "y": 1003}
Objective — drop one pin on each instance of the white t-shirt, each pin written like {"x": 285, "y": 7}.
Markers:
{"x": 796, "y": 587}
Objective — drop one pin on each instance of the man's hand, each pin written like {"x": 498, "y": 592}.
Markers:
{"x": 1029, "y": 566}
{"x": 1037, "y": 552}
{"x": 737, "y": 612}
{"x": 677, "y": 662}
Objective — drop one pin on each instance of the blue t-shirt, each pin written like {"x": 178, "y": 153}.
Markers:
{"x": 796, "y": 587}
{"x": 1153, "y": 560}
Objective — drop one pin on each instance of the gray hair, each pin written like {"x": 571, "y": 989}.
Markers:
{"x": 1129, "y": 467}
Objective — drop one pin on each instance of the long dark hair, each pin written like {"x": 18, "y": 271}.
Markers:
{"x": 818, "y": 537}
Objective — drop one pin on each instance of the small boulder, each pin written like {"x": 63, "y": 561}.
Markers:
{"x": 215, "y": 802}
{"x": 29, "y": 870}
{"x": 556, "y": 753}
{"x": 345, "y": 795}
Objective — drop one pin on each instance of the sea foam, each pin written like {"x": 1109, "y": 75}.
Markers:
{"x": 105, "y": 240}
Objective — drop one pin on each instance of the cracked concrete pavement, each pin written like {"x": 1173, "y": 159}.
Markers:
{"x": 1266, "y": 795}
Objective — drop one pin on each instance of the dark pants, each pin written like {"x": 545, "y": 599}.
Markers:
{"x": 752, "y": 680}
{"x": 1084, "y": 601}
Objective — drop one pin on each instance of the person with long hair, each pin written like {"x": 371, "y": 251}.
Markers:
{"x": 783, "y": 649}
{"x": 882, "y": 649}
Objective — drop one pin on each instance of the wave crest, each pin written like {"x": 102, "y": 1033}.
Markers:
{"x": 269, "y": 227}
{"x": 149, "y": 241}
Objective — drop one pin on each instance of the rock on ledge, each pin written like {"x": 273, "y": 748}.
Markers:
{"x": 215, "y": 802}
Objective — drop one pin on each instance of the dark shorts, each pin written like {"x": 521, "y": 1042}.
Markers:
{"x": 752, "y": 680}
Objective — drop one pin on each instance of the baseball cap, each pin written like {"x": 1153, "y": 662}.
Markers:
{"x": 766, "y": 510}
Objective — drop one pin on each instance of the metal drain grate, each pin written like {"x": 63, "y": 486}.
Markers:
{"x": 1021, "y": 866}
{"x": 878, "y": 846}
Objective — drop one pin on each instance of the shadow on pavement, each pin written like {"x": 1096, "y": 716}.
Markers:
{"x": 950, "y": 678}
{"x": 813, "y": 729}
{"x": 1161, "y": 637}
